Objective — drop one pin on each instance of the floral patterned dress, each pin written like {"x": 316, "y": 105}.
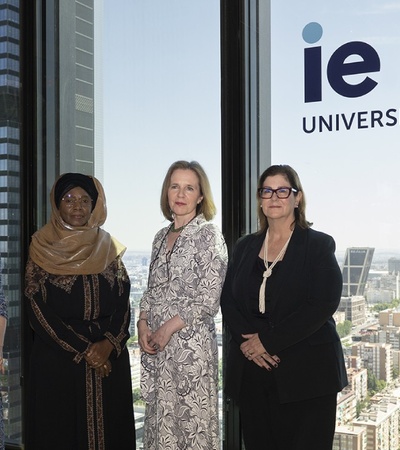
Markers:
{"x": 180, "y": 384}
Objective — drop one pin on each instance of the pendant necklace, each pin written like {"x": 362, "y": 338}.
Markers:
{"x": 176, "y": 230}
{"x": 268, "y": 270}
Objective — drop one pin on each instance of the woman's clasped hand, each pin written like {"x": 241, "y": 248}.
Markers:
{"x": 253, "y": 350}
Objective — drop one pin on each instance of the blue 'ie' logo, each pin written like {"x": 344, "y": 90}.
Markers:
{"x": 337, "y": 67}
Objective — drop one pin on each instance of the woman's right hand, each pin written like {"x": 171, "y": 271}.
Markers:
{"x": 144, "y": 338}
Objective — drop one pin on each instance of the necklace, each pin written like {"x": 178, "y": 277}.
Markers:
{"x": 176, "y": 230}
{"x": 268, "y": 270}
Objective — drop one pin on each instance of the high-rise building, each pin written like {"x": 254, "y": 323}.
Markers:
{"x": 346, "y": 407}
{"x": 10, "y": 213}
{"x": 350, "y": 437}
{"x": 389, "y": 318}
{"x": 376, "y": 357}
{"x": 394, "y": 266}
{"x": 354, "y": 309}
{"x": 79, "y": 68}
{"x": 382, "y": 424}
{"x": 357, "y": 263}
{"x": 358, "y": 383}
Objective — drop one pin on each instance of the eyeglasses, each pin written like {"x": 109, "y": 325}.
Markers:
{"x": 71, "y": 201}
{"x": 281, "y": 192}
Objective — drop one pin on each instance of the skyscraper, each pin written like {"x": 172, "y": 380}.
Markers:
{"x": 394, "y": 266}
{"x": 80, "y": 116}
{"x": 10, "y": 212}
{"x": 356, "y": 266}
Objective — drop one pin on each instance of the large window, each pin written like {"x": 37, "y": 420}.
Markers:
{"x": 315, "y": 86}
{"x": 121, "y": 89}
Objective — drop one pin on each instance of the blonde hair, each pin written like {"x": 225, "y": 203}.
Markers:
{"x": 206, "y": 206}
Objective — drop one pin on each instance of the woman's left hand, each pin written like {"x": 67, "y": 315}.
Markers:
{"x": 105, "y": 369}
{"x": 254, "y": 350}
{"x": 98, "y": 353}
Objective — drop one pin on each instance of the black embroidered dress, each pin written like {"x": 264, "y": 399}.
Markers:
{"x": 69, "y": 402}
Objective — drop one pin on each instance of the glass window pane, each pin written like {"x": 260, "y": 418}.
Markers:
{"x": 338, "y": 127}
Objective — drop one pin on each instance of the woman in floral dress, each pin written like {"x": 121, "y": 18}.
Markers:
{"x": 179, "y": 377}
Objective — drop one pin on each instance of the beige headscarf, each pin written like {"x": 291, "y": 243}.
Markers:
{"x": 62, "y": 249}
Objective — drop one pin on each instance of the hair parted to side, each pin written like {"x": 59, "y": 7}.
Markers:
{"x": 294, "y": 181}
{"x": 206, "y": 206}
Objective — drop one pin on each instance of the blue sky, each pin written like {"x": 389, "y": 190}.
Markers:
{"x": 162, "y": 103}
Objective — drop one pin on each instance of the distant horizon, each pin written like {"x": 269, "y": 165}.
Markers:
{"x": 381, "y": 252}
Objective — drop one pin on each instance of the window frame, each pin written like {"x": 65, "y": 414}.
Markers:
{"x": 245, "y": 136}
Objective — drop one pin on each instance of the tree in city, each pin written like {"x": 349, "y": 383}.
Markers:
{"x": 136, "y": 395}
{"x": 344, "y": 328}
{"x": 361, "y": 405}
{"x": 374, "y": 384}
{"x": 382, "y": 306}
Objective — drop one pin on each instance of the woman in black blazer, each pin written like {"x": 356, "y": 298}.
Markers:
{"x": 285, "y": 362}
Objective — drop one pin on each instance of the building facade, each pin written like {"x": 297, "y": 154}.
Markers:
{"x": 357, "y": 263}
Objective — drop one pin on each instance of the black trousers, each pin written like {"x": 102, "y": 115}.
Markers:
{"x": 270, "y": 425}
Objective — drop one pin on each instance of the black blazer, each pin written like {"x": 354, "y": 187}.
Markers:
{"x": 301, "y": 329}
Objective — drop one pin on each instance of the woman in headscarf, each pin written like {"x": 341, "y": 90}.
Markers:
{"x": 80, "y": 394}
